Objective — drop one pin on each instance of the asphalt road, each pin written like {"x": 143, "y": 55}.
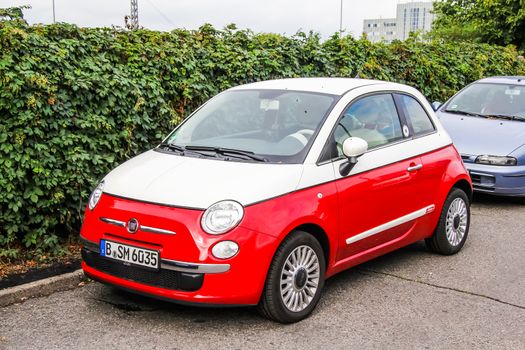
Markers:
{"x": 409, "y": 299}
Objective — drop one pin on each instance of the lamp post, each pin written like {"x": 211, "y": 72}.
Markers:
{"x": 54, "y": 21}
{"x": 341, "y": 18}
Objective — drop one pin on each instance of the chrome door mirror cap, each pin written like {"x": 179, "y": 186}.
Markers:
{"x": 354, "y": 147}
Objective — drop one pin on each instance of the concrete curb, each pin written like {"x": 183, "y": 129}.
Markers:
{"x": 41, "y": 288}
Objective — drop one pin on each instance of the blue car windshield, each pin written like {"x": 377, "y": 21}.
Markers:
{"x": 274, "y": 125}
{"x": 490, "y": 100}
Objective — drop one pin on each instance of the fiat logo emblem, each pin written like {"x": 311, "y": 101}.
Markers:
{"x": 132, "y": 225}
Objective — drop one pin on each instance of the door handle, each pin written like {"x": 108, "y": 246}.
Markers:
{"x": 414, "y": 168}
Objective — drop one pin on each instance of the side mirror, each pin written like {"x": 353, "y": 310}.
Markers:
{"x": 436, "y": 105}
{"x": 353, "y": 148}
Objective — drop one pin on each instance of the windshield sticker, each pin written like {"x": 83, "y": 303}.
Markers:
{"x": 269, "y": 105}
{"x": 406, "y": 131}
{"x": 453, "y": 106}
{"x": 513, "y": 92}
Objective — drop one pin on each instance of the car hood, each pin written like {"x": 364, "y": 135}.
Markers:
{"x": 183, "y": 181}
{"x": 477, "y": 136}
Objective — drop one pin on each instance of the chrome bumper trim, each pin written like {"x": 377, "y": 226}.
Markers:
{"x": 113, "y": 222}
{"x": 169, "y": 264}
{"x": 193, "y": 268}
{"x": 140, "y": 228}
{"x": 156, "y": 230}
{"x": 391, "y": 224}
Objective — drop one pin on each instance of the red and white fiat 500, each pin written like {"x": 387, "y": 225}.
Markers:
{"x": 272, "y": 187}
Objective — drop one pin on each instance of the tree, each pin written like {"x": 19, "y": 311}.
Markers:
{"x": 500, "y": 22}
{"x": 13, "y": 13}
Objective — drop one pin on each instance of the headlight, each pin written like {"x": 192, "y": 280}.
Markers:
{"x": 222, "y": 217}
{"x": 95, "y": 196}
{"x": 496, "y": 160}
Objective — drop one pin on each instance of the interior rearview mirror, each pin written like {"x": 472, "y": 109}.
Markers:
{"x": 436, "y": 105}
{"x": 353, "y": 148}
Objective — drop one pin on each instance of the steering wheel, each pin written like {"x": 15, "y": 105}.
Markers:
{"x": 299, "y": 137}
{"x": 302, "y": 135}
{"x": 306, "y": 133}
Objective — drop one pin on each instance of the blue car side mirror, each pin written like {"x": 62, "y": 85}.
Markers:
{"x": 435, "y": 105}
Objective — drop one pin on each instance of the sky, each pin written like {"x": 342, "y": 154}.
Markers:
{"x": 276, "y": 16}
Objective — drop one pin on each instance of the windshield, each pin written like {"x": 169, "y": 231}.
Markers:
{"x": 275, "y": 124}
{"x": 490, "y": 100}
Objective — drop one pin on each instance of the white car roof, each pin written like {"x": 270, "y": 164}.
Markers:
{"x": 334, "y": 86}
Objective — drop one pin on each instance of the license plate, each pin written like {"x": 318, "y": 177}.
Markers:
{"x": 129, "y": 254}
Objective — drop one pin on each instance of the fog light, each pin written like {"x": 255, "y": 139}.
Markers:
{"x": 225, "y": 249}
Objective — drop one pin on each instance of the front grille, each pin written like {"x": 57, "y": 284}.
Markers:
{"x": 468, "y": 158}
{"x": 483, "y": 181}
{"x": 167, "y": 279}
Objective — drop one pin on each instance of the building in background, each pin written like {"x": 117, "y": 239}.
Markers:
{"x": 410, "y": 17}
{"x": 382, "y": 29}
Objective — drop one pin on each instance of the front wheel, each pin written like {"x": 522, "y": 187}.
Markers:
{"x": 454, "y": 222}
{"x": 295, "y": 279}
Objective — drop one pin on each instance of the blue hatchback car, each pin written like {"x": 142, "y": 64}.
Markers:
{"x": 486, "y": 121}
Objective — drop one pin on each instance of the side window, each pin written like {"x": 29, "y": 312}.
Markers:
{"x": 372, "y": 118}
{"x": 416, "y": 116}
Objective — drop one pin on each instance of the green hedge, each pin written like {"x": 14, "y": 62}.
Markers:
{"x": 75, "y": 102}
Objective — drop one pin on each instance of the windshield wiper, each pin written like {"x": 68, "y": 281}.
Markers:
{"x": 471, "y": 114}
{"x": 228, "y": 151}
{"x": 182, "y": 150}
{"x": 172, "y": 147}
{"x": 509, "y": 117}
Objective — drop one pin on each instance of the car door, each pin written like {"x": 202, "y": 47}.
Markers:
{"x": 378, "y": 200}
{"x": 434, "y": 163}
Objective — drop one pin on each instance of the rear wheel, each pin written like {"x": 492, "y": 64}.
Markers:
{"x": 454, "y": 222}
{"x": 295, "y": 279}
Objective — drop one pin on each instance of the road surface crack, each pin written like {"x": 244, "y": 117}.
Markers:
{"x": 442, "y": 287}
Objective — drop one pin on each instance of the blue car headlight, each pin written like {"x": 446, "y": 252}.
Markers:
{"x": 496, "y": 160}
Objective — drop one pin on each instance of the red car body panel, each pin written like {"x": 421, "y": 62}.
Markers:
{"x": 338, "y": 210}
{"x": 190, "y": 244}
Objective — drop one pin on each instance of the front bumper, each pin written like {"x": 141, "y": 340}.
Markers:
{"x": 499, "y": 180}
{"x": 188, "y": 271}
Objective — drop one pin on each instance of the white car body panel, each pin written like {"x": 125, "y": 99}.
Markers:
{"x": 174, "y": 180}
{"x": 333, "y": 86}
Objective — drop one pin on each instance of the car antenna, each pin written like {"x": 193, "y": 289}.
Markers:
{"x": 357, "y": 76}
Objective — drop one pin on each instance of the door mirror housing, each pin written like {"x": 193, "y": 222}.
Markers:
{"x": 353, "y": 148}
{"x": 436, "y": 105}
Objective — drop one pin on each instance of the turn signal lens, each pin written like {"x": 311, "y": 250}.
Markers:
{"x": 225, "y": 249}
{"x": 95, "y": 196}
{"x": 496, "y": 160}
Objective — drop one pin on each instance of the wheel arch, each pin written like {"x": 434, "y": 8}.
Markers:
{"x": 319, "y": 234}
{"x": 465, "y": 186}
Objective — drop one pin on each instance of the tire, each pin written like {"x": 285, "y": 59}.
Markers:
{"x": 306, "y": 274}
{"x": 455, "y": 218}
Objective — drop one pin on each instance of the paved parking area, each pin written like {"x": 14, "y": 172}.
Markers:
{"x": 409, "y": 299}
